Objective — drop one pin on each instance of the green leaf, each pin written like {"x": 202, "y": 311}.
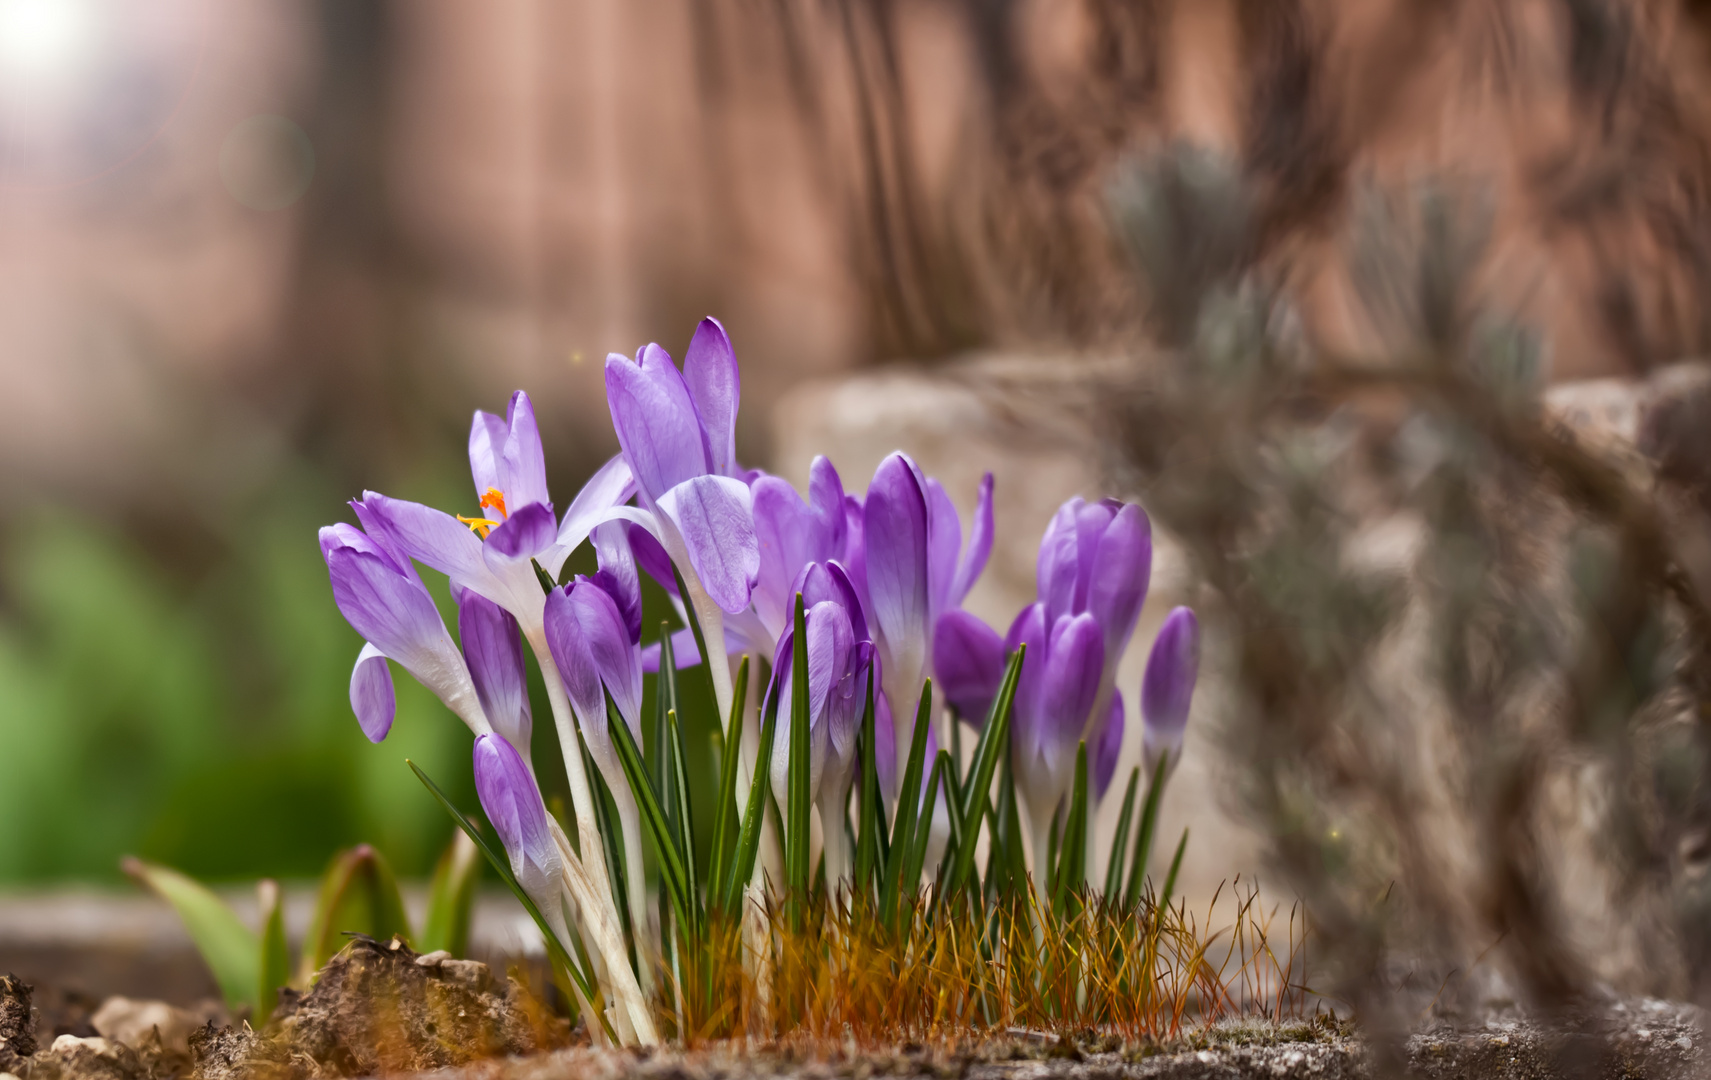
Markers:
{"x": 653, "y": 817}
{"x": 683, "y": 820}
{"x": 725, "y": 821}
{"x": 1072, "y": 849}
{"x": 903, "y": 828}
{"x": 231, "y": 950}
{"x": 796, "y": 867}
{"x": 911, "y": 883}
{"x": 748, "y": 840}
{"x": 359, "y": 895}
{"x": 1170, "y": 883}
{"x": 1144, "y": 839}
{"x": 665, "y": 700}
{"x": 451, "y": 897}
{"x": 502, "y": 866}
{"x": 993, "y": 747}
{"x": 275, "y": 956}
{"x": 870, "y": 842}
{"x": 1120, "y": 843}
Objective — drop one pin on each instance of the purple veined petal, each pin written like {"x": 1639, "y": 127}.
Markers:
{"x": 513, "y": 805}
{"x": 655, "y": 421}
{"x": 341, "y": 535}
{"x": 968, "y": 664}
{"x": 611, "y": 485}
{"x": 1107, "y": 747}
{"x": 683, "y": 650}
{"x": 944, "y": 542}
{"x": 652, "y": 558}
{"x": 530, "y": 530}
{"x": 618, "y": 574}
{"x": 376, "y": 532}
{"x": 607, "y": 638}
{"x": 1167, "y": 688}
{"x": 493, "y": 649}
{"x": 1058, "y": 563}
{"x": 431, "y": 537}
{"x": 372, "y": 697}
{"x": 713, "y": 516}
{"x": 523, "y": 463}
{"x": 487, "y": 434}
{"x": 1091, "y": 521}
{"x": 894, "y": 531}
{"x": 715, "y": 386}
{"x": 884, "y": 738}
{"x": 826, "y": 498}
{"x": 979, "y": 546}
{"x": 1026, "y": 725}
{"x": 786, "y": 532}
{"x": 1122, "y": 570}
{"x": 854, "y": 557}
{"x": 831, "y": 652}
{"x": 567, "y": 641}
{"x": 851, "y": 599}
{"x": 389, "y": 610}
{"x": 820, "y": 581}
{"x": 1075, "y": 659}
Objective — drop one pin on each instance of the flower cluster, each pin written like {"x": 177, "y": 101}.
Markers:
{"x": 881, "y": 578}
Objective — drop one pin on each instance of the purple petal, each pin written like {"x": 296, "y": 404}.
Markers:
{"x": 1167, "y": 688}
{"x": 611, "y": 485}
{"x": 710, "y": 372}
{"x": 652, "y": 558}
{"x": 1107, "y": 746}
{"x": 786, "y": 532}
{"x": 523, "y": 464}
{"x": 968, "y": 664}
{"x": 831, "y": 653}
{"x": 894, "y": 529}
{"x": 712, "y": 514}
{"x": 829, "y": 582}
{"x": 431, "y": 537}
{"x": 372, "y": 697}
{"x": 1091, "y": 521}
{"x": 854, "y": 555}
{"x": 979, "y": 545}
{"x": 618, "y": 574}
{"x": 487, "y": 435}
{"x": 1070, "y": 682}
{"x": 375, "y": 531}
{"x": 1028, "y": 629}
{"x": 944, "y": 541}
{"x": 1058, "y": 562}
{"x": 683, "y": 651}
{"x": 529, "y": 531}
{"x": 493, "y": 648}
{"x": 884, "y": 738}
{"x": 568, "y": 643}
{"x": 1122, "y": 569}
{"x": 389, "y": 610}
{"x": 616, "y": 657}
{"x": 850, "y": 598}
{"x": 826, "y": 497}
{"x": 512, "y": 804}
{"x": 655, "y": 420}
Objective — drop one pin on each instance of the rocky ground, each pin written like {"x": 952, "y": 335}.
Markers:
{"x": 379, "y": 1008}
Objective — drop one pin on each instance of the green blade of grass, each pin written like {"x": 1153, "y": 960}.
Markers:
{"x": 502, "y": 866}
{"x": 1144, "y": 838}
{"x": 683, "y": 820}
{"x": 275, "y": 956}
{"x": 796, "y": 867}
{"x": 903, "y": 827}
{"x": 872, "y": 817}
{"x": 748, "y": 839}
{"x": 231, "y": 950}
{"x": 1120, "y": 843}
{"x": 911, "y": 882}
{"x": 652, "y": 814}
{"x": 451, "y": 897}
{"x": 665, "y": 700}
{"x": 994, "y": 745}
{"x": 725, "y": 805}
{"x": 1072, "y": 849}
{"x": 1170, "y": 883}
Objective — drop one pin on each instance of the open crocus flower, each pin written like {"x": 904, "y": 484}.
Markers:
{"x": 380, "y": 594}
{"x": 911, "y": 574}
{"x": 792, "y": 533}
{"x": 1167, "y": 688}
{"x": 678, "y": 430}
{"x": 513, "y": 805}
{"x": 837, "y": 682}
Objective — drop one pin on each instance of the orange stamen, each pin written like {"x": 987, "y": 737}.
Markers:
{"x": 480, "y": 526}
{"x": 494, "y": 500}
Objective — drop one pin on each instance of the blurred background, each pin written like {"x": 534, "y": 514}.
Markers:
{"x": 259, "y": 255}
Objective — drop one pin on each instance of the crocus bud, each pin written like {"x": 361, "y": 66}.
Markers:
{"x": 512, "y": 803}
{"x": 493, "y": 648}
{"x": 1107, "y": 745}
{"x": 591, "y": 647}
{"x": 1167, "y": 688}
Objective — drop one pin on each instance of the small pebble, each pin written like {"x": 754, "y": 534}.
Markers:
{"x": 1684, "y": 1043}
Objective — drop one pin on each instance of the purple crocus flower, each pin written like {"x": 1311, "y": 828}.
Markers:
{"x": 838, "y": 661}
{"x": 512, "y": 803}
{"x": 910, "y": 542}
{"x": 678, "y": 430}
{"x": 493, "y": 648}
{"x": 383, "y": 598}
{"x": 1167, "y": 688}
{"x": 1057, "y": 688}
{"x": 791, "y": 534}
{"x": 1106, "y": 751}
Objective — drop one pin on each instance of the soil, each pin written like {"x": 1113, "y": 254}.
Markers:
{"x": 379, "y": 1008}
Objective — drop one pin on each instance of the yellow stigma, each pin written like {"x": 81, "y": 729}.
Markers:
{"x": 480, "y": 526}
